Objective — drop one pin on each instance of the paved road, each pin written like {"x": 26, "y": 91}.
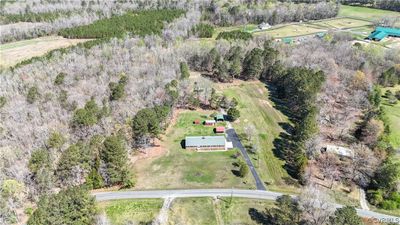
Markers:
{"x": 234, "y": 138}
{"x": 254, "y": 194}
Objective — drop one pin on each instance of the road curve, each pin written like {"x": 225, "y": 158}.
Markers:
{"x": 255, "y": 194}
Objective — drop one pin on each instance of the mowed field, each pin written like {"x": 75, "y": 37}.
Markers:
{"x": 15, "y": 52}
{"x": 365, "y": 13}
{"x": 393, "y": 115}
{"x": 194, "y": 211}
{"x": 176, "y": 167}
{"x": 257, "y": 109}
{"x": 349, "y": 18}
{"x": 138, "y": 211}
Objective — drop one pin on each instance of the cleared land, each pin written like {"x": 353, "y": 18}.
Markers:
{"x": 194, "y": 211}
{"x": 341, "y": 23}
{"x": 393, "y": 114}
{"x": 15, "y": 52}
{"x": 364, "y": 12}
{"x": 176, "y": 167}
{"x": 140, "y": 211}
{"x": 352, "y": 18}
{"x": 257, "y": 109}
{"x": 302, "y": 29}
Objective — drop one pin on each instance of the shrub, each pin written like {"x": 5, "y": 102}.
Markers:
{"x": 76, "y": 156}
{"x": 33, "y": 94}
{"x": 118, "y": 89}
{"x": 39, "y": 159}
{"x": 233, "y": 114}
{"x": 184, "y": 70}
{"x": 389, "y": 205}
{"x": 59, "y": 79}
{"x": 375, "y": 197}
{"x": 3, "y": 101}
{"x": 235, "y": 35}
{"x": 94, "y": 180}
{"x": 88, "y": 115}
{"x": 243, "y": 169}
{"x": 56, "y": 140}
{"x": 203, "y": 30}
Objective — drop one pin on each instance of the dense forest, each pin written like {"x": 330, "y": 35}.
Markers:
{"x": 138, "y": 23}
{"x": 49, "y": 18}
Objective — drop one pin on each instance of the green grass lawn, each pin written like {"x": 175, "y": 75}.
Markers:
{"x": 181, "y": 168}
{"x": 365, "y": 13}
{"x": 291, "y": 30}
{"x": 257, "y": 109}
{"x": 121, "y": 212}
{"x": 194, "y": 211}
{"x": 237, "y": 210}
{"x": 342, "y": 23}
{"x": 393, "y": 114}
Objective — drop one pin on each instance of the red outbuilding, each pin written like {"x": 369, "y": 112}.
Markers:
{"x": 220, "y": 130}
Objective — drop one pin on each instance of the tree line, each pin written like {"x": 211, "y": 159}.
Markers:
{"x": 297, "y": 86}
{"x": 237, "y": 13}
{"x": 34, "y": 17}
{"x": 138, "y": 23}
{"x": 235, "y": 35}
{"x": 374, "y": 131}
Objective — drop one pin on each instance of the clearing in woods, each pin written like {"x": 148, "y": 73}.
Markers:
{"x": 365, "y": 12}
{"x": 181, "y": 168}
{"x": 257, "y": 109}
{"x": 15, "y": 52}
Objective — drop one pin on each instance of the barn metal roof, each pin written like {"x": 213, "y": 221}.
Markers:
{"x": 198, "y": 141}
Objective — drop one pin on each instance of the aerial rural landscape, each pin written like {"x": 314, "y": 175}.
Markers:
{"x": 200, "y": 112}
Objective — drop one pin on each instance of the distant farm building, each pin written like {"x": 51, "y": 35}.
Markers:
{"x": 264, "y": 26}
{"x": 196, "y": 122}
{"x": 219, "y": 117}
{"x": 210, "y": 122}
{"x": 207, "y": 143}
{"x": 320, "y": 34}
{"x": 383, "y": 32}
{"x": 287, "y": 40}
{"x": 339, "y": 150}
{"x": 220, "y": 130}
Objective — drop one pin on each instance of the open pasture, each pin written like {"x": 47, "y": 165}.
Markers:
{"x": 342, "y": 23}
{"x": 15, "y": 52}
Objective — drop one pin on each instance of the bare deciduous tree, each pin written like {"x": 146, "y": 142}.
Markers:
{"x": 316, "y": 206}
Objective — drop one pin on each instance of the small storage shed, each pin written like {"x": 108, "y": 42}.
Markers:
{"x": 220, "y": 130}
{"x": 219, "y": 117}
{"x": 209, "y": 122}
